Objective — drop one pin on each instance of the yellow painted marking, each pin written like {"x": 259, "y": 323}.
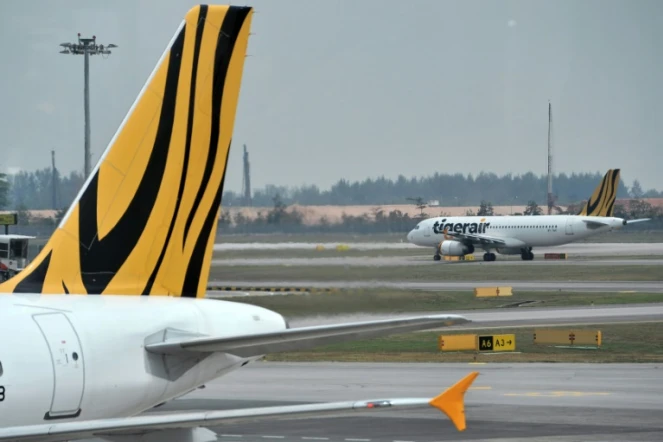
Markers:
{"x": 456, "y": 342}
{"x": 476, "y": 363}
{"x": 481, "y": 388}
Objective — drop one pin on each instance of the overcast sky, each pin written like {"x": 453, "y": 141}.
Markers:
{"x": 352, "y": 89}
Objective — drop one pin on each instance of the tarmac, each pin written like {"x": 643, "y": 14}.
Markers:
{"x": 416, "y": 261}
{"x": 547, "y": 286}
{"x": 610, "y": 253}
{"x": 516, "y": 317}
{"x": 575, "y": 249}
{"x": 508, "y": 402}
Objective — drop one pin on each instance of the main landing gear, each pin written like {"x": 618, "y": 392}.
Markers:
{"x": 489, "y": 256}
{"x": 527, "y": 255}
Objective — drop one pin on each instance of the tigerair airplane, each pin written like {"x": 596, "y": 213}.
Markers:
{"x": 108, "y": 320}
{"x": 517, "y": 235}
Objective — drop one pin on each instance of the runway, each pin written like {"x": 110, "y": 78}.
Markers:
{"x": 405, "y": 261}
{"x": 517, "y": 317}
{"x": 577, "y": 286}
{"x": 516, "y": 402}
{"x": 574, "y": 249}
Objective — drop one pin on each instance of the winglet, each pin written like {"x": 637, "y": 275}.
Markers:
{"x": 451, "y": 402}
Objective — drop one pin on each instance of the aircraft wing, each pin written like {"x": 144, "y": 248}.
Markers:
{"x": 450, "y": 402}
{"x": 475, "y": 239}
{"x": 301, "y": 338}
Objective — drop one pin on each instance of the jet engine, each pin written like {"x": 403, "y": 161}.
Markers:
{"x": 455, "y": 248}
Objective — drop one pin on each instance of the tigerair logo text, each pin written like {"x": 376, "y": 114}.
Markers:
{"x": 442, "y": 226}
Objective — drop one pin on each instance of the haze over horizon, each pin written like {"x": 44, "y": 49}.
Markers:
{"x": 341, "y": 89}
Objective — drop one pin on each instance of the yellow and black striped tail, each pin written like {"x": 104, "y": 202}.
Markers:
{"x": 602, "y": 201}
{"x": 144, "y": 223}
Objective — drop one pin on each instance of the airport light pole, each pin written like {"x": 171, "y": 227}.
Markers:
{"x": 86, "y": 47}
{"x": 512, "y": 201}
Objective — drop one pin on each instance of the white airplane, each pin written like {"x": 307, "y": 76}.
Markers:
{"x": 517, "y": 235}
{"x": 107, "y": 321}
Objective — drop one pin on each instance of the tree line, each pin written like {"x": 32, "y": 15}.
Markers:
{"x": 283, "y": 219}
{"x": 41, "y": 190}
{"x": 448, "y": 189}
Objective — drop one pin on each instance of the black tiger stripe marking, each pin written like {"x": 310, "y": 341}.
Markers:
{"x": 34, "y": 282}
{"x": 187, "y": 149}
{"x": 601, "y": 202}
{"x": 232, "y": 23}
{"x": 593, "y": 204}
{"x": 192, "y": 276}
{"x": 610, "y": 206}
{"x": 101, "y": 259}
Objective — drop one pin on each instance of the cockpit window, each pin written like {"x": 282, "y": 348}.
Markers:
{"x": 416, "y": 227}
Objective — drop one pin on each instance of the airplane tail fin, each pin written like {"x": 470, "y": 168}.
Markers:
{"x": 144, "y": 222}
{"x": 602, "y": 201}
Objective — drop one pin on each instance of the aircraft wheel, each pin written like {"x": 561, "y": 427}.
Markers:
{"x": 489, "y": 257}
{"x": 437, "y": 257}
{"x": 527, "y": 256}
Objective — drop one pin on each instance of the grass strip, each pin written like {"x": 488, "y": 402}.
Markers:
{"x": 401, "y": 301}
{"x": 477, "y": 271}
{"x": 621, "y": 343}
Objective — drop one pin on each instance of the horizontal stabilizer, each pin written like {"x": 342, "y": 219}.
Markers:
{"x": 451, "y": 402}
{"x": 302, "y": 338}
{"x": 633, "y": 221}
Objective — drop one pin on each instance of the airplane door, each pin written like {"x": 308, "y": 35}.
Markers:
{"x": 569, "y": 225}
{"x": 68, "y": 366}
{"x": 427, "y": 230}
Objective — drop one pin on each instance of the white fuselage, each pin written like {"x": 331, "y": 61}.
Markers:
{"x": 516, "y": 231}
{"x": 68, "y": 357}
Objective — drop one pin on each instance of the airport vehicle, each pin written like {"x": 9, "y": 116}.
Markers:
{"x": 517, "y": 235}
{"x": 13, "y": 254}
{"x": 107, "y": 321}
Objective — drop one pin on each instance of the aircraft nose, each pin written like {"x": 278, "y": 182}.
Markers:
{"x": 409, "y": 236}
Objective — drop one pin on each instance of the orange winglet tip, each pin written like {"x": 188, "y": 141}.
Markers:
{"x": 451, "y": 402}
